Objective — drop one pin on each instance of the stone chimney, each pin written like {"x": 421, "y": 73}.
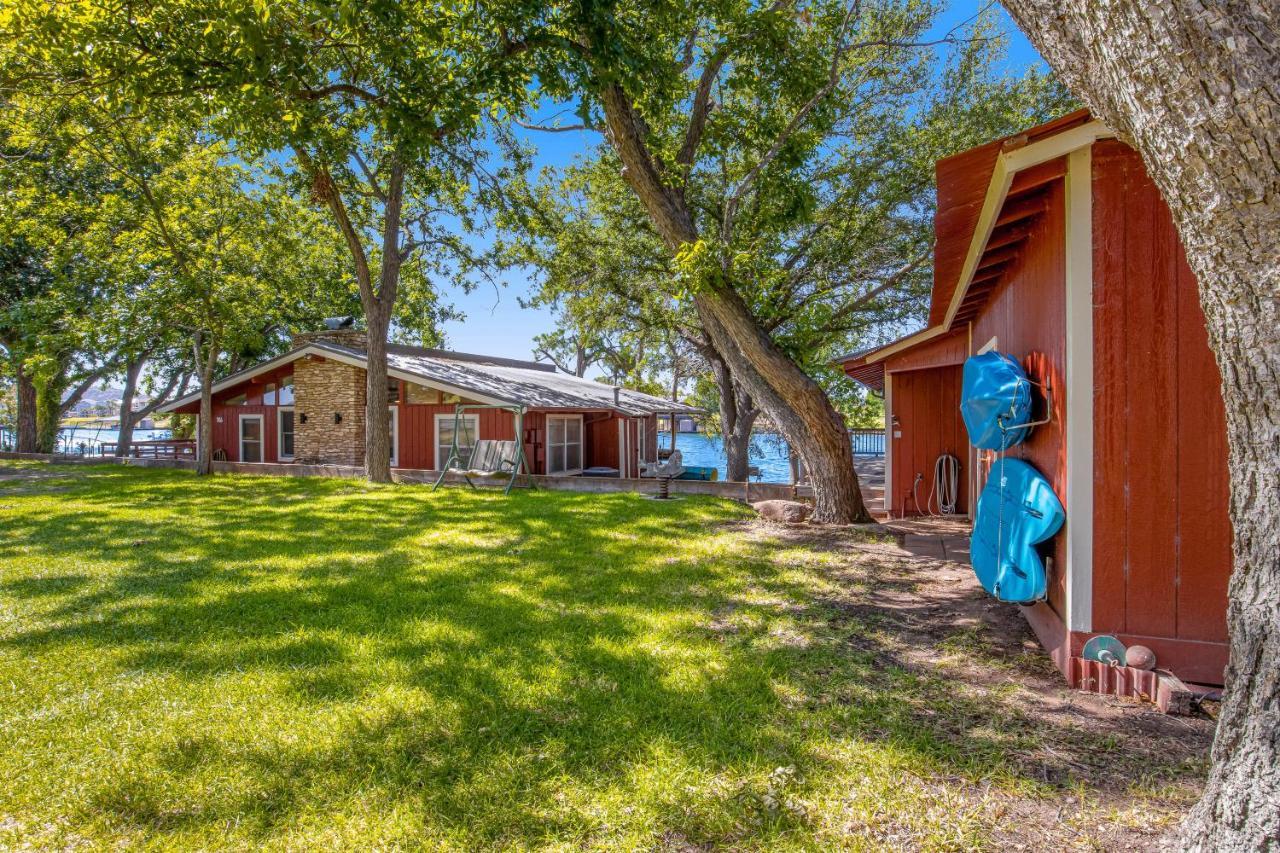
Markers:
{"x": 353, "y": 338}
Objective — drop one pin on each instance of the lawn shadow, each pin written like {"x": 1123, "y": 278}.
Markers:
{"x": 469, "y": 653}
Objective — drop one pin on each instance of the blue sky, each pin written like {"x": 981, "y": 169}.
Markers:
{"x": 495, "y": 323}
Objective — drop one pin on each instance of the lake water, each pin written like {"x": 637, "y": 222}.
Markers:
{"x": 768, "y": 450}
{"x": 71, "y": 440}
{"x": 768, "y": 453}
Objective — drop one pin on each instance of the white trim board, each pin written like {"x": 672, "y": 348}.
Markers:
{"x": 887, "y": 500}
{"x": 1079, "y": 391}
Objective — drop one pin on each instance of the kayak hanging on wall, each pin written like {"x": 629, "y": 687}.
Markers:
{"x": 1017, "y": 510}
{"x": 995, "y": 401}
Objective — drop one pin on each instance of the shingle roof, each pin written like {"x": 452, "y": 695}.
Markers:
{"x": 496, "y": 380}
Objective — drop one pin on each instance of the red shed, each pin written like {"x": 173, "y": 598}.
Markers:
{"x": 1055, "y": 247}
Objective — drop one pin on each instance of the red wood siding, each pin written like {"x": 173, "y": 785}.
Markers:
{"x": 927, "y": 406}
{"x": 418, "y": 431}
{"x": 226, "y": 419}
{"x": 948, "y": 349}
{"x": 1026, "y": 313}
{"x": 600, "y": 431}
{"x": 1162, "y": 543}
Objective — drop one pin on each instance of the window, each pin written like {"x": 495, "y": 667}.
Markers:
{"x": 284, "y": 424}
{"x": 237, "y": 400}
{"x": 269, "y": 394}
{"x": 444, "y": 438}
{"x": 564, "y": 444}
{"x": 395, "y": 436}
{"x": 251, "y": 438}
{"x": 393, "y": 390}
{"x": 285, "y": 396}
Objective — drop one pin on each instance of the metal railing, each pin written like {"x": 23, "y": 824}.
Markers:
{"x": 867, "y": 442}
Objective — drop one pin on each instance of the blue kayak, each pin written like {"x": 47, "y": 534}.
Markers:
{"x": 995, "y": 401}
{"x": 1017, "y": 510}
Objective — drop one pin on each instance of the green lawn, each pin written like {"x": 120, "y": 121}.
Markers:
{"x": 306, "y": 663}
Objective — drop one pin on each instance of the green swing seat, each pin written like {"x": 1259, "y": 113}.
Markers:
{"x": 491, "y": 458}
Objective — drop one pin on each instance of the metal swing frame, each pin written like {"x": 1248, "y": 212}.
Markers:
{"x": 454, "y": 462}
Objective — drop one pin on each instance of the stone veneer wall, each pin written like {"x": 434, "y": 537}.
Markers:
{"x": 354, "y": 338}
{"x": 321, "y": 388}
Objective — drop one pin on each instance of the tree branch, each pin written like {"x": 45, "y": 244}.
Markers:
{"x": 833, "y": 77}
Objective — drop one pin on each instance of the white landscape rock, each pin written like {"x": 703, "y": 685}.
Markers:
{"x": 790, "y": 512}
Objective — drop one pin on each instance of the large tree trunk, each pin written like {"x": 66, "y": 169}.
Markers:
{"x": 207, "y": 364}
{"x": 1195, "y": 87}
{"x": 124, "y": 436}
{"x": 377, "y": 431}
{"x": 794, "y": 402}
{"x": 737, "y": 417}
{"x": 26, "y": 416}
{"x": 378, "y": 308}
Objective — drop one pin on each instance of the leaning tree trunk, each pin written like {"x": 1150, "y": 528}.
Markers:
{"x": 1195, "y": 87}
{"x": 26, "y": 420}
{"x": 124, "y": 435}
{"x": 794, "y": 402}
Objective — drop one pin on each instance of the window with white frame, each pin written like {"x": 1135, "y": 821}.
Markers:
{"x": 284, "y": 437}
{"x": 469, "y": 430}
{"x": 395, "y": 435}
{"x": 564, "y": 444}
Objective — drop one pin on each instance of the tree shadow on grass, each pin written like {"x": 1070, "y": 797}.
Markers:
{"x": 498, "y": 664}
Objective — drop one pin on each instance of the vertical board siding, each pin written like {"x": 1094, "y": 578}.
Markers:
{"x": 1027, "y": 316}
{"x": 226, "y": 435}
{"x": 1162, "y": 548}
{"x": 418, "y": 431}
{"x": 600, "y": 432}
{"x": 927, "y": 405}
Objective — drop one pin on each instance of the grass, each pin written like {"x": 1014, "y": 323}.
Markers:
{"x": 307, "y": 663}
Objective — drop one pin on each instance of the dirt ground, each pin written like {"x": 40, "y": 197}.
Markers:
{"x": 1122, "y": 772}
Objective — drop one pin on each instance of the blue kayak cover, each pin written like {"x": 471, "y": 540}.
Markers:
{"x": 995, "y": 393}
{"x": 1016, "y": 511}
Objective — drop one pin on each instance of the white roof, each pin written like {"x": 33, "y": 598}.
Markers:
{"x": 483, "y": 379}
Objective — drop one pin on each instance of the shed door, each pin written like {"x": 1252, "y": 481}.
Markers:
{"x": 926, "y": 406}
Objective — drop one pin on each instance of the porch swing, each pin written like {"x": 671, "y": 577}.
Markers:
{"x": 489, "y": 458}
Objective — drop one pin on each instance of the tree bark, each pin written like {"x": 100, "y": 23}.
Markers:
{"x": 206, "y": 364}
{"x": 124, "y": 435}
{"x": 378, "y": 307}
{"x": 737, "y": 417}
{"x": 26, "y": 415}
{"x": 377, "y": 432}
{"x": 377, "y": 304}
{"x": 795, "y": 403}
{"x": 1194, "y": 86}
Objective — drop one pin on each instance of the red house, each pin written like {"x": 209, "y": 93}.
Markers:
{"x": 1054, "y": 246}
{"x": 308, "y": 406}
